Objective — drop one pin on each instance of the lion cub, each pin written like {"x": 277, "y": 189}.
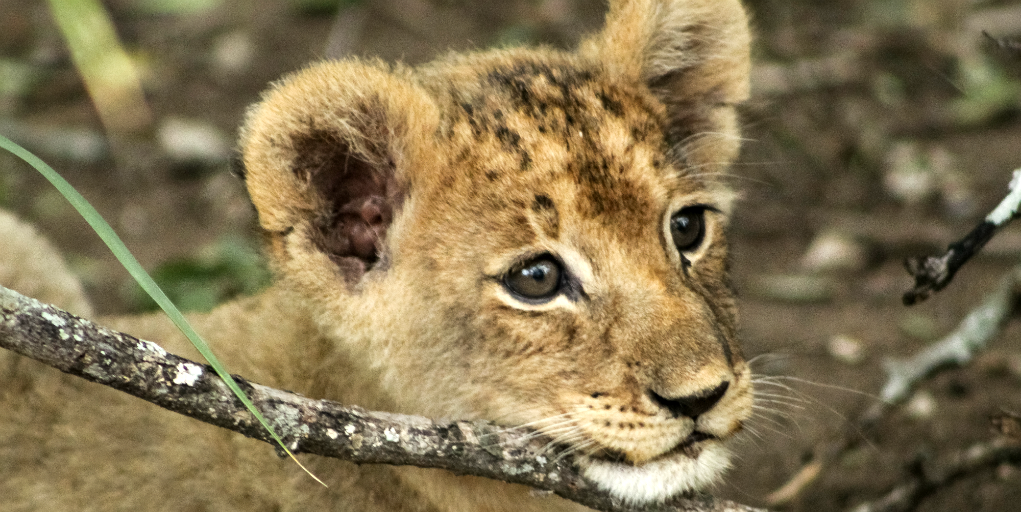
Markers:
{"x": 525, "y": 236}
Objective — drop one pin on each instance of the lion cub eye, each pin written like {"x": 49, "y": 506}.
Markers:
{"x": 687, "y": 228}
{"x": 539, "y": 278}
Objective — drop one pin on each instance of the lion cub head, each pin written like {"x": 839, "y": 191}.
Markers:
{"x": 529, "y": 236}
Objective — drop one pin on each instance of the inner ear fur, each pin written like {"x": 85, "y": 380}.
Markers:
{"x": 694, "y": 55}
{"x": 326, "y": 154}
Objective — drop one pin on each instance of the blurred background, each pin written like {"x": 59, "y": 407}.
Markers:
{"x": 877, "y": 130}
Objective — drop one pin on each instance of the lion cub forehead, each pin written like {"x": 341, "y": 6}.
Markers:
{"x": 534, "y": 125}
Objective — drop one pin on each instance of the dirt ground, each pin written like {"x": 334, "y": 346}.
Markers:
{"x": 878, "y": 130}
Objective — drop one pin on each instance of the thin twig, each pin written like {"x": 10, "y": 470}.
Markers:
{"x": 795, "y": 485}
{"x": 933, "y": 273}
{"x": 932, "y": 477}
{"x": 973, "y": 333}
{"x": 143, "y": 369}
{"x": 1010, "y": 45}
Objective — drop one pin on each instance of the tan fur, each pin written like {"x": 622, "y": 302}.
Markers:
{"x": 394, "y": 201}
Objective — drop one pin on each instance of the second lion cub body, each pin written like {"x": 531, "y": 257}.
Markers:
{"x": 525, "y": 236}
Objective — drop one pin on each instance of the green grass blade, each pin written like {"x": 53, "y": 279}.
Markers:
{"x": 133, "y": 267}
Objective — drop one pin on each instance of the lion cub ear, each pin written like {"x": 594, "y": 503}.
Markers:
{"x": 326, "y": 155}
{"x": 694, "y": 55}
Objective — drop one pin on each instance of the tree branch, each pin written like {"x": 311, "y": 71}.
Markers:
{"x": 973, "y": 333}
{"x": 1010, "y": 45}
{"x": 145, "y": 370}
{"x": 933, "y": 273}
{"x": 931, "y": 476}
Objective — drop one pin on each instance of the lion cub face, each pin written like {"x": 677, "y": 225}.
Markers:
{"x": 530, "y": 237}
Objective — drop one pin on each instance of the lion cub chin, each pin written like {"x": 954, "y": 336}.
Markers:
{"x": 533, "y": 237}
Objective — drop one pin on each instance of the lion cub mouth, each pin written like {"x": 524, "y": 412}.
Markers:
{"x": 691, "y": 447}
{"x": 697, "y": 462}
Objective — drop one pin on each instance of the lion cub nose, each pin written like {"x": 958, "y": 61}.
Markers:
{"x": 693, "y": 405}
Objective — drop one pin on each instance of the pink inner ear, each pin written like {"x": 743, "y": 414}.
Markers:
{"x": 371, "y": 211}
{"x": 359, "y": 196}
{"x": 360, "y": 226}
{"x": 365, "y": 225}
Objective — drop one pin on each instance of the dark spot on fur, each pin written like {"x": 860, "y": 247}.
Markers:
{"x": 637, "y": 134}
{"x": 542, "y": 202}
{"x": 508, "y": 137}
{"x": 475, "y": 127}
{"x": 614, "y": 107}
{"x": 491, "y": 175}
{"x": 524, "y": 161}
{"x": 462, "y": 156}
{"x": 546, "y": 215}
